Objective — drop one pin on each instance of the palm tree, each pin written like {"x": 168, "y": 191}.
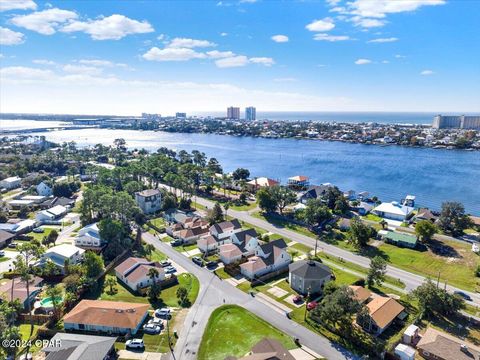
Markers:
{"x": 153, "y": 274}
{"x": 54, "y": 292}
{"x": 111, "y": 282}
{"x": 226, "y": 206}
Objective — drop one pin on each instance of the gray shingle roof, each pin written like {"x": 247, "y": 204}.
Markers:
{"x": 79, "y": 347}
{"x": 309, "y": 269}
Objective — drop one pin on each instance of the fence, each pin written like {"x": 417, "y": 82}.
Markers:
{"x": 262, "y": 279}
{"x": 172, "y": 280}
{"x": 38, "y": 319}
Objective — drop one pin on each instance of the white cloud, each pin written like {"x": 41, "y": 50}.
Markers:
{"x": 190, "y": 43}
{"x": 267, "y": 61}
{"x": 223, "y": 34}
{"x": 172, "y": 54}
{"x": 325, "y": 24}
{"x": 82, "y": 69}
{"x": 398, "y": 56}
{"x": 234, "y": 61}
{"x": 215, "y": 54}
{"x": 427, "y": 72}
{"x": 331, "y": 38}
{"x": 383, "y": 40}
{"x": 280, "y": 38}
{"x": 10, "y": 37}
{"x": 100, "y": 63}
{"x": 6, "y": 5}
{"x": 380, "y": 8}
{"x": 25, "y": 73}
{"x": 333, "y": 2}
{"x": 114, "y": 27}
{"x": 45, "y": 22}
{"x": 43, "y": 62}
{"x": 367, "y": 23}
{"x": 363, "y": 61}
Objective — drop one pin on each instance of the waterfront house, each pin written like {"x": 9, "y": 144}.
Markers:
{"x": 63, "y": 253}
{"x": 350, "y": 195}
{"x": 89, "y": 236}
{"x": 110, "y": 317}
{"x": 133, "y": 272}
{"x": 398, "y": 239}
{"x": 16, "y": 289}
{"x": 298, "y": 182}
{"x": 308, "y": 276}
{"x": 268, "y": 257}
{"x": 315, "y": 192}
{"x": 44, "y": 189}
{"x": 150, "y": 201}
{"x": 382, "y": 312}
{"x": 393, "y": 211}
{"x": 364, "y": 208}
{"x": 261, "y": 182}
{"x": 439, "y": 345}
{"x": 51, "y": 215}
{"x": 10, "y": 183}
{"x": 363, "y": 195}
{"x": 425, "y": 214}
{"x": 65, "y": 346}
{"x": 225, "y": 229}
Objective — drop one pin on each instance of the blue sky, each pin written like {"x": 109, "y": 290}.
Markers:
{"x": 128, "y": 57}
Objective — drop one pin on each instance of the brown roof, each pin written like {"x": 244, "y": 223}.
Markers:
{"x": 141, "y": 272}
{"x": 196, "y": 231}
{"x": 230, "y": 250}
{"x": 107, "y": 313}
{"x": 19, "y": 288}
{"x": 5, "y": 236}
{"x": 226, "y": 226}
{"x": 383, "y": 310}
{"x": 129, "y": 263}
{"x": 149, "y": 192}
{"x": 475, "y": 219}
{"x": 254, "y": 263}
{"x": 269, "y": 349}
{"x": 360, "y": 293}
{"x": 447, "y": 346}
{"x": 207, "y": 240}
{"x": 299, "y": 178}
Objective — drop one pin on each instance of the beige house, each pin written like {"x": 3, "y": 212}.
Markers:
{"x": 133, "y": 272}
{"x": 383, "y": 311}
{"x": 268, "y": 257}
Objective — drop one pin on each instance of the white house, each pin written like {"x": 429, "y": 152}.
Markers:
{"x": 61, "y": 253}
{"x": 51, "y": 214}
{"x": 10, "y": 183}
{"x": 37, "y": 199}
{"x": 150, "y": 201}
{"x": 89, "y": 236}
{"x": 190, "y": 236}
{"x": 393, "y": 211}
{"x": 44, "y": 190}
{"x": 405, "y": 352}
{"x": 18, "y": 228}
{"x": 229, "y": 253}
{"x": 246, "y": 240}
{"x": 269, "y": 257}
{"x": 134, "y": 272}
{"x": 225, "y": 229}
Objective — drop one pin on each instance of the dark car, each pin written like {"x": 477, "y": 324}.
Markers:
{"x": 211, "y": 264}
{"x": 176, "y": 242}
{"x": 463, "y": 295}
{"x": 197, "y": 261}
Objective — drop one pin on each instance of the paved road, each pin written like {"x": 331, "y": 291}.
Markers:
{"x": 411, "y": 280}
{"x": 214, "y": 292}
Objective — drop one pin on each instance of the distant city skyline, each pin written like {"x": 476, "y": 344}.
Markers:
{"x": 130, "y": 57}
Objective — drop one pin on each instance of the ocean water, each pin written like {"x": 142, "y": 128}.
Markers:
{"x": 432, "y": 175}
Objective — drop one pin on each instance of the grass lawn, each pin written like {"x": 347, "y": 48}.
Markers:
{"x": 224, "y": 337}
{"x": 222, "y": 274}
{"x": 158, "y": 222}
{"x": 285, "y": 224}
{"x": 157, "y": 256}
{"x": 4, "y": 258}
{"x": 183, "y": 248}
{"x": 372, "y": 217}
{"x": 25, "y": 335}
{"x": 169, "y": 296}
{"x": 246, "y": 207}
{"x": 302, "y": 248}
{"x": 198, "y": 206}
{"x": 40, "y": 236}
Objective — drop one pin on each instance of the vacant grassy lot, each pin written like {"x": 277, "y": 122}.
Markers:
{"x": 224, "y": 337}
{"x": 285, "y": 224}
{"x": 40, "y": 236}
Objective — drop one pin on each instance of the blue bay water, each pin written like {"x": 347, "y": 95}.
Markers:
{"x": 433, "y": 175}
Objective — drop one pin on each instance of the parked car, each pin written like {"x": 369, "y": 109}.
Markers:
{"x": 135, "y": 344}
{"x": 211, "y": 264}
{"x": 463, "y": 295}
{"x": 38, "y": 230}
{"x": 163, "y": 313}
{"x": 12, "y": 245}
{"x": 311, "y": 305}
{"x": 197, "y": 260}
{"x": 165, "y": 263}
{"x": 151, "y": 329}
{"x": 176, "y": 242}
{"x": 2, "y": 253}
{"x": 156, "y": 321}
{"x": 170, "y": 270}
{"x": 297, "y": 299}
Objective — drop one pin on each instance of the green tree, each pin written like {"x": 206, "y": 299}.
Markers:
{"x": 71, "y": 282}
{"x": 436, "y": 301}
{"x": 376, "y": 272}
{"x": 153, "y": 275}
{"x": 316, "y": 213}
{"x": 240, "y": 174}
{"x": 282, "y": 196}
{"x": 266, "y": 201}
{"x": 93, "y": 264}
{"x": 54, "y": 292}
{"x": 52, "y": 237}
{"x": 154, "y": 292}
{"x": 113, "y": 232}
{"x": 111, "y": 282}
{"x": 359, "y": 233}
{"x": 425, "y": 230}
{"x": 453, "y": 219}
{"x": 216, "y": 214}
{"x": 182, "y": 295}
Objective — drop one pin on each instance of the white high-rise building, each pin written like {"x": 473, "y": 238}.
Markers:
{"x": 456, "y": 122}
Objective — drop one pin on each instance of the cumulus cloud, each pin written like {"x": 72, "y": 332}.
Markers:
{"x": 427, "y": 72}
{"x": 383, "y": 40}
{"x": 43, "y": 62}
{"x": 45, "y": 22}
{"x": 234, "y": 61}
{"x": 223, "y": 34}
{"x": 267, "y": 61}
{"x": 367, "y": 23}
{"x": 280, "y": 38}
{"x": 325, "y": 24}
{"x": 190, "y": 43}
{"x": 82, "y": 69}
{"x": 10, "y": 37}
{"x": 100, "y": 63}
{"x": 172, "y": 54}
{"x": 215, "y": 54}
{"x": 25, "y": 73}
{"x": 363, "y": 61}
{"x": 380, "y": 8}
{"x": 331, "y": 38}
{"x": 113, "y": 27}
{"x": 6, "y": 5}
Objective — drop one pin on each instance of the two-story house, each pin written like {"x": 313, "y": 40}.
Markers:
{"x": 268, "y": 257}
{"x": 150, "y": 201}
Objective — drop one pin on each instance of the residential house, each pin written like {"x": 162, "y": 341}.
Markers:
{"x": 19, "y": 203}
{"x": 315, "y": 192}
{"x": 89, "y": 236}
{"x": 190, "y": 236}
{"x": 363, "y": 195}
{"x": 425, "y": 214}
{"x": 150, "y": 201}
{"x": 194, "y": 221}
{"x": 10, "y": 183}
{"x": 36, "y": 199}
{"x": 308, "y": 276}
{"x": 18, "y": 227}
{"x": 266, "y": 349}
{"x": 175, "y": 216}
{"x": 208, "y": 244}
{"x": 173, "y": 229}
{"x": 350, "y": 195}
{"x": 344, "y": 224}
{"x": 5, "y": 238}
{"x": 405, "y": 352}
{"x": 134, "y": 272}
{"x": 225, "y": 229}
{"x": 382, "y": 312}
{"x": 361, "y": 294}
{"x": 63, "y": 253}
{"x": 230, "y": 253}
{"x": 398, "y": 239}
{"x": 65, "y": 346}
{"x": 393, "y": 211}
{"x": 261, "y": 182}
{"x": 110, "y": 317}
{"x": 16, "y": 289}
{"x": 54, "y": 201}
{"x": 246, "y": 240}
{"x": 438, "y": 345}
{"x": 44, "y": 189}
{"x": 475, "y": 221}
{"x": 268, "y": 257}
{"x": 298, "y": 182}
{"x": 51, "y": 215}
{"x": 364, "y": 208}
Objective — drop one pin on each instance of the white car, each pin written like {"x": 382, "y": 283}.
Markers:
{"x": 135, "y": 344}
{"x": 163, "y": 313}
{"x": 151, "y": 329}
{"x": 156, "y": 321}
{"x": 2, "y": 253}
